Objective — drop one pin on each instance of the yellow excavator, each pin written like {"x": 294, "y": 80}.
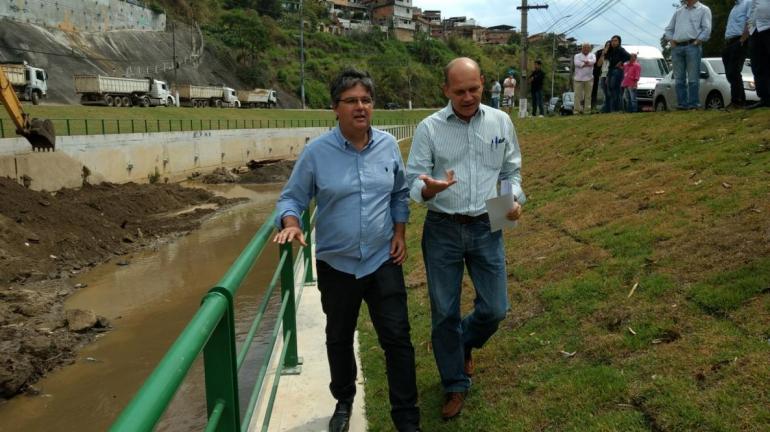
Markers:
{"x": 39, "y": 132}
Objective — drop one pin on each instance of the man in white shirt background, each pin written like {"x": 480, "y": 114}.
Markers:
{"x": 584, "y": 78}
{"x": 688, "y": 29}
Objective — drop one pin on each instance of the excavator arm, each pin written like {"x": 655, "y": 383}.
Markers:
{"x": 39, "y": 132}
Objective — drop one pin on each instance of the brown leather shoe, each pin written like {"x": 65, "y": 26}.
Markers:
{"x": 453, "y": 404}
{"x": 469, "y": 367}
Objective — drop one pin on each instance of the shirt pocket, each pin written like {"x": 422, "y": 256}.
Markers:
{"x": 492, "y": 152}
{"x": 381, "y": 176}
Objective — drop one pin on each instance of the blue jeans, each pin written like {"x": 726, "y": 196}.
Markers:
{"x": 537, "y": 102}
{"x": 686, "y": 61}
{"x": 495, "y": 102}
{"x": 614, "y": 79}
{"x": 630, "y": 96}
{"x": 449, "y": 247}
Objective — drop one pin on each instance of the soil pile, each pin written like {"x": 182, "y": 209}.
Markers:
{"x": 267, "y": 171}
{"x": 45, "y": 238}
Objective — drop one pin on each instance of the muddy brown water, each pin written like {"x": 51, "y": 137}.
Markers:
{"x": 149, "y": 302}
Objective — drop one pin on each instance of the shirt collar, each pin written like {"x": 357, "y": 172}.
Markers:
{"x": 695, "y": 5}
{"x": 343, "y": 142}
{"x": 448, "y": 112}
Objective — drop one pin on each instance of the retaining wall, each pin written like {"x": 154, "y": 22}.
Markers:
{"x": 83, "y": 15}
{"x": 133, "y": 157}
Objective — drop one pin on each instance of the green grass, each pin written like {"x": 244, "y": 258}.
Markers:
{"x": 90, "y": 120}
{"x": 676, "y": 204}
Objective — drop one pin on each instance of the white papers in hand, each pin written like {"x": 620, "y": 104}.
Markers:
{"x": 497, "y": 208}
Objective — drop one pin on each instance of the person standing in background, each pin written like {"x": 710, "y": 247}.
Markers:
{"x": 736, "y": 49}
{"x": 759, "y": 29}
{"x": 495, "y": 91}
{"x": 536, "y": 79}
{"x": 599, "y": 54}
{"x": 584, "y": 78}
{"x": 688, "y": 29}
{"x": 632, "y": 70}
{"x": 616, "y": 58}
{"x": 509, "y": 91}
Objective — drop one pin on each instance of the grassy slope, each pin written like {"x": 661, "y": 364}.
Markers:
{"x": 188, "y": 118}
{"x": 677, "y": 203}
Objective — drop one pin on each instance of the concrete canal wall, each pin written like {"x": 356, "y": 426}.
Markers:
{"x": 84, "y": 15}
{"x": 134, "y": 157}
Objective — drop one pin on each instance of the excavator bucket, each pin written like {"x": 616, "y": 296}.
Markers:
{"x": 41, "y": 134}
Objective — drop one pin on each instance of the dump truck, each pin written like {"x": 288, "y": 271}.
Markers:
{"x": 205, "y": 96}
{"x": 29, "y": 83}
{"x": 258, "y": 98}
{"x": 119, "y": 91}
{"x": 39, "y": 132}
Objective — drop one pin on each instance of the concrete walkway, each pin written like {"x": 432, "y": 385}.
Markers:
{"x": 303, "y": 402}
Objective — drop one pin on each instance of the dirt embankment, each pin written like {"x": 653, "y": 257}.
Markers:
{"x": 47, "y": 238}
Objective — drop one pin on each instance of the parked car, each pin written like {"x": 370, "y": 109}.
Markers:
{"x": 392, "y": 105}
{"x": 714, "y": 89}
{"x": 568, "y": 103}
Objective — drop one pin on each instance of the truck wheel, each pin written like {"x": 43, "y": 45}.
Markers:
{"x": 108, "y": 100}
{"x": 218, "y": 103}
{"x": 35, "y": 98}
{"x": 126, "y": 101}
{"x": 117, "y": 101}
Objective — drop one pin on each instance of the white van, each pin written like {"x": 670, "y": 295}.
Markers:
{"x": 654, "y": 69}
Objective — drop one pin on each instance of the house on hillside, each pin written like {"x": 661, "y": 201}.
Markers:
{"x": 396, "y": 15}
{"x": 463, "y": 27}
{"x": 498, "y": 35}
{"x": 421, "y": 23}
{"x": 347, "y": 16}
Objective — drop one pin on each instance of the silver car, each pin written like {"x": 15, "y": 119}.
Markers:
{"x": 714, "y": 88}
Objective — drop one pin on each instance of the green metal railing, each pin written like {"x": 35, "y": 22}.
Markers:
{"x": 212, "y": 331}
{"x": 70, "y": 127}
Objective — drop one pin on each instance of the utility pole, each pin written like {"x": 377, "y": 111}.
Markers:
{"x": 302, "y": 53}
{"x": 524, "y": 8}
{"x": 173, "y": 49}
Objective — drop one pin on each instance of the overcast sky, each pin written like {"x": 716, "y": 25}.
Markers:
{"x": 638, "y": 22}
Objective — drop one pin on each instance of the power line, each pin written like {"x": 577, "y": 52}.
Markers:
{"x": 595, "y": 13}
{"x": 644, "y": 31}
{"x": 638, "y": 15}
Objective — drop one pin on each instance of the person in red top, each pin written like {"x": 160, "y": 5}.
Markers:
{"x": 632, "y": 70}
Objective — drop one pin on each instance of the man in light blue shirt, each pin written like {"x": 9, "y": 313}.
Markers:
{"x": 458, "y": 155}
{"x": 688, "y": 29}
{"x": 356, "y": 174}
{"x": 736, "y": 49}
{"x": 759, "y": 47}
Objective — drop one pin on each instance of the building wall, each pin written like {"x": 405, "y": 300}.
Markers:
{"x": 83, "y": 15}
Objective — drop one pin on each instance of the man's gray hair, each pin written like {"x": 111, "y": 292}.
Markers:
{"x": 348, "y": 79}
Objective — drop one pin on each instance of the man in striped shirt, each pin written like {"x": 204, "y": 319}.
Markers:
{"x": 458, "y": 155}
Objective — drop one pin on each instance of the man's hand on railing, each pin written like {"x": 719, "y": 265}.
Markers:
{"x": 291, "y": 231}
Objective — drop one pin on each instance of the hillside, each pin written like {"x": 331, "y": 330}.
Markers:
{"x": 639, "y": 281}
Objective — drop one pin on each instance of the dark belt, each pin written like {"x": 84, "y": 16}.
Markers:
{"x": 461, "y": 218}
{"x": 730, "y": 40}
{"x": 687, "y": 42}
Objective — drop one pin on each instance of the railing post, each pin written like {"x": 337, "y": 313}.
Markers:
{"x": 86, "y": 124}
{"x": 307, "y": 251}
{"x": 2, "y": 129}
{"x": 103, "y": 131}
{"x": 290, "y": 315}
{"x": 219, "y": 362}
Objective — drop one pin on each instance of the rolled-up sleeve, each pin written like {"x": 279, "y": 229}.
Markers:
{"x": 399, "y": 198}
{"x": 298, "y": 192}
{"x": 420, "y": 162}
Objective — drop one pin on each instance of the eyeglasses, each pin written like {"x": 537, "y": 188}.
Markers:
{"x": 366, "y": 101}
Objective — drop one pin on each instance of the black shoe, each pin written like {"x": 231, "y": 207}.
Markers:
{"x": 760, "y": 104}
{"x": 340, "y": 421}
